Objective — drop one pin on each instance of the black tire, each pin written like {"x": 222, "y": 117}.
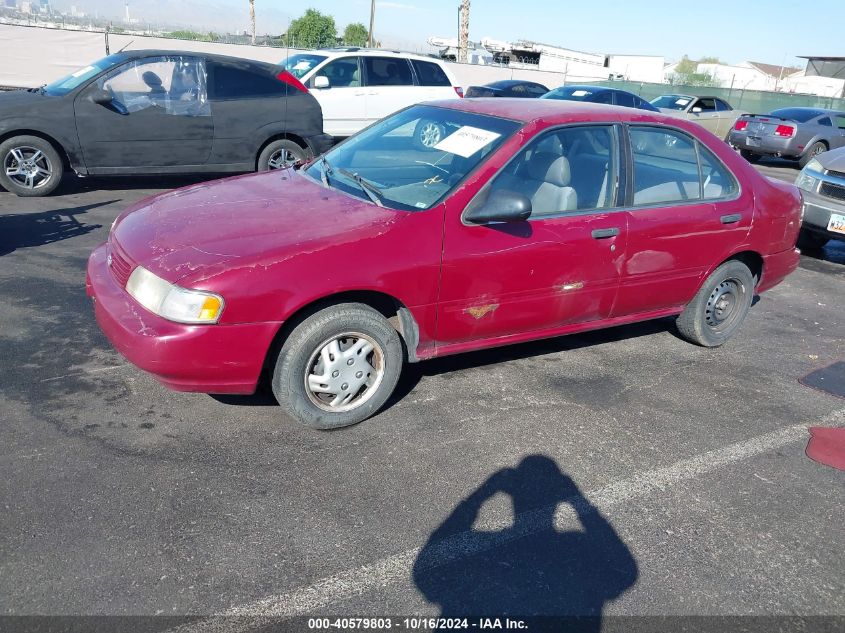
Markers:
{"x": 300, "y": 357}
{"x": 811, "y": 242}
{"x": 428, "y": 133}
{"x": 38, "y": 155}
{"x": 751, "y": 157}
{"x": 814, "y": 150}
{"x": 719, "y": 307}
{"x": 281, "y": 152}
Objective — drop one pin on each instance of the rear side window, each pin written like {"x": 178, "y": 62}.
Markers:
{"x": 234, "y": 82}
{"x": 430, "y": 74}
{"x": 721, "y": 106}
{"x": 671, "y": 167}
{"x": 626, "y": 99}
{"x": 388, "y": 71}
{"x": 825, "y": 121}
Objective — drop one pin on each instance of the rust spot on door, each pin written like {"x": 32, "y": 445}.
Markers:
{"x": 477, "y": 312}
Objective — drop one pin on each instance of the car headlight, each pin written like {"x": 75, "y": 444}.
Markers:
{"x": 172, "y": 302}
{"x": 808, "y": 178}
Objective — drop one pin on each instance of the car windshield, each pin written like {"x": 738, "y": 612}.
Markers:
{"x": 413, "y": 159}
{"x": 671, "y": 102}
{"x": 301, "y": 64}
{"x": 797, "y": 114}
{"x": 70, "y": 82}
{"x": 570, "y": 93}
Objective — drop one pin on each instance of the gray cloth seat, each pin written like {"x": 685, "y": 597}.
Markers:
{"x": 545, "y": 180}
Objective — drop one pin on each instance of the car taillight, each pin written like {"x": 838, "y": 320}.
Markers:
{"x": 739, "y": 126}
{"x": 786, "y": 131}
{"x": 290, "y": 80}
{"x": 459, "y": 91}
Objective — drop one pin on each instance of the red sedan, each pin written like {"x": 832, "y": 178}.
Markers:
{"x": 526, "y": 219}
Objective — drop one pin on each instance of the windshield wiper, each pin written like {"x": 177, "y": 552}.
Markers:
{"x": 373, "y": 193}
{"x": 325, "y": 170}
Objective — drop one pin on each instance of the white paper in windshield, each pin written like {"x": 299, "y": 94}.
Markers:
{"x": 579, "y": 93}
{"x": 681, "y": 102}
{"x": 467, "y": 141}
{"x": 83, "y": 71}
{"x": 303, "y": 65}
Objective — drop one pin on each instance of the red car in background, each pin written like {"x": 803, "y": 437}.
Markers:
{"x": 529, "y": 219}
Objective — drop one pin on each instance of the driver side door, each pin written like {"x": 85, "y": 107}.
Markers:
{"x": 703, "y": 112}
{"x": 158, "y": 118}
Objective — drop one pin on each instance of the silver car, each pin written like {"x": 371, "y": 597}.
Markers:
{"x": 712, "y": 113}
{"x": 796, "y": 133}
{"x": 822, "y": 183}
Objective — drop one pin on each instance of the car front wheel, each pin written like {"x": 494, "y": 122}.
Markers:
{"x": 338, "y": 367}
{"x": 30, "y": 166}
{"x": 280, "y": 154}
{"x": 720, "y": 306}
{"x": 814, "y": 150}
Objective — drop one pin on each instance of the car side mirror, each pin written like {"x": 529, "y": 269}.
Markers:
{"x": 321, "y": 82}
{"x": 102, "y": 97}
{"x": 501, "y": 205}
{"x": 695, "y": 110}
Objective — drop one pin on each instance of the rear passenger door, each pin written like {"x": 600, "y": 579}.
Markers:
{"x": 390, "y": 86}
{"x": 562, "y": 266}
{"x": 686, "y": 215}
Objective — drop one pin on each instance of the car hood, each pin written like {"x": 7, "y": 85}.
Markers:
{"x": 834, "y": 159}
{"x": 257, "y": 219}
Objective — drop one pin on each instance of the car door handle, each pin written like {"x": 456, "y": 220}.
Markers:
{"x": 601, "y": 234}
{"x": 733, "y": 218}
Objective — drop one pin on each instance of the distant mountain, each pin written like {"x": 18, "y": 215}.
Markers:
{"x": 225, "y": 16}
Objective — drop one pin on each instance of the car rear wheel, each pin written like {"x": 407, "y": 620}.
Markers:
{"x": 811, "y": 242}
{"x": 338, "y": 367}
{"x": 280, "y": 154}
{"x": 428, "y": 133}
{"x": 815, "y": 149}
{"x": 720, "y": 306}
{"x": 751, "y": 157}
{"x": 31, "y": 166}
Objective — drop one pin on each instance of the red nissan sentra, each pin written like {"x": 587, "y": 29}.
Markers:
{"x": 444, "y": 228}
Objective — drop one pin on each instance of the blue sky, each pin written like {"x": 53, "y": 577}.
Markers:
{"x": 774, "y": 31}
{"x": 734, "y": 31}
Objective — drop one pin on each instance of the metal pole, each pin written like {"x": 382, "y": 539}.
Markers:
{"x": 372, "y": 22}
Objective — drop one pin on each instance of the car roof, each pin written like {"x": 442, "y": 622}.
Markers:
{"x": 552, "y": 111}
{"x": 370, "y": 52}
{"x": 155, "y": 52}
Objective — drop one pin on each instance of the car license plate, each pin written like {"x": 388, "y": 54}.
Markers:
{"x": 836, "y": 223}
{"x": 752, "y": 141}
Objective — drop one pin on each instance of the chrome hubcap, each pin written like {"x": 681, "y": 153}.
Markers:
{"x": 344, "y": 372}
{"x": 721, "y": 305}
{"x": 430, "y": 134}
{"x": 281, "y": 158}
{"x": 28, "y": 167}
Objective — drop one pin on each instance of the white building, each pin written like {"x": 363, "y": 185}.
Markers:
{"x": 648, "y": 68}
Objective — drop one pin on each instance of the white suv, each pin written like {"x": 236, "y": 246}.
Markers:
{"x": 358, "y": 86}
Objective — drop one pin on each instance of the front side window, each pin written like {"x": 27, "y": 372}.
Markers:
{"x": 414, "y": 158}
{"x": 671, "y": 167}
{"x": 626, "y": 99}
{"x": 301, "y": 64}
{"x": 388, "y": 71}
{"x": 564, "y": 171}
{"x": 706, "y": 105}
{"x": 672, "y": 102}
{"x": 342, "y": 73}
{"x": 430, "y": 74}
{"x": 175, "y": 84}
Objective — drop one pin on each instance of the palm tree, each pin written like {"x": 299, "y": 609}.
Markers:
{"x": 463, "y": 35}
{"x": 252, "y": 18}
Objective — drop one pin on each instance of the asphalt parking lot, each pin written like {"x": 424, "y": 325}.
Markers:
{"x": 120, "y": 497}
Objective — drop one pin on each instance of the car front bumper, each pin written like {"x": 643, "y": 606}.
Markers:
{"x": 817, "y": 211}
{"x": 205, "y": 358}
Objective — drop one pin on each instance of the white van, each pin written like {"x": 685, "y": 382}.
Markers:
{"x": 358, "y": 86}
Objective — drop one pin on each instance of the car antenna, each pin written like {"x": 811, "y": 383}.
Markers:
{"x": 125, "y": 47}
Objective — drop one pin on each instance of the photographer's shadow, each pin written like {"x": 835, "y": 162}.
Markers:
{"x": 528, "y": 568}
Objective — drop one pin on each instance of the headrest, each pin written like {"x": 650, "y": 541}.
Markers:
{"x": 549, "y": 168}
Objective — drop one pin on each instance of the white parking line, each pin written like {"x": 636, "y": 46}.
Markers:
{"x": 347, "y": 584}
